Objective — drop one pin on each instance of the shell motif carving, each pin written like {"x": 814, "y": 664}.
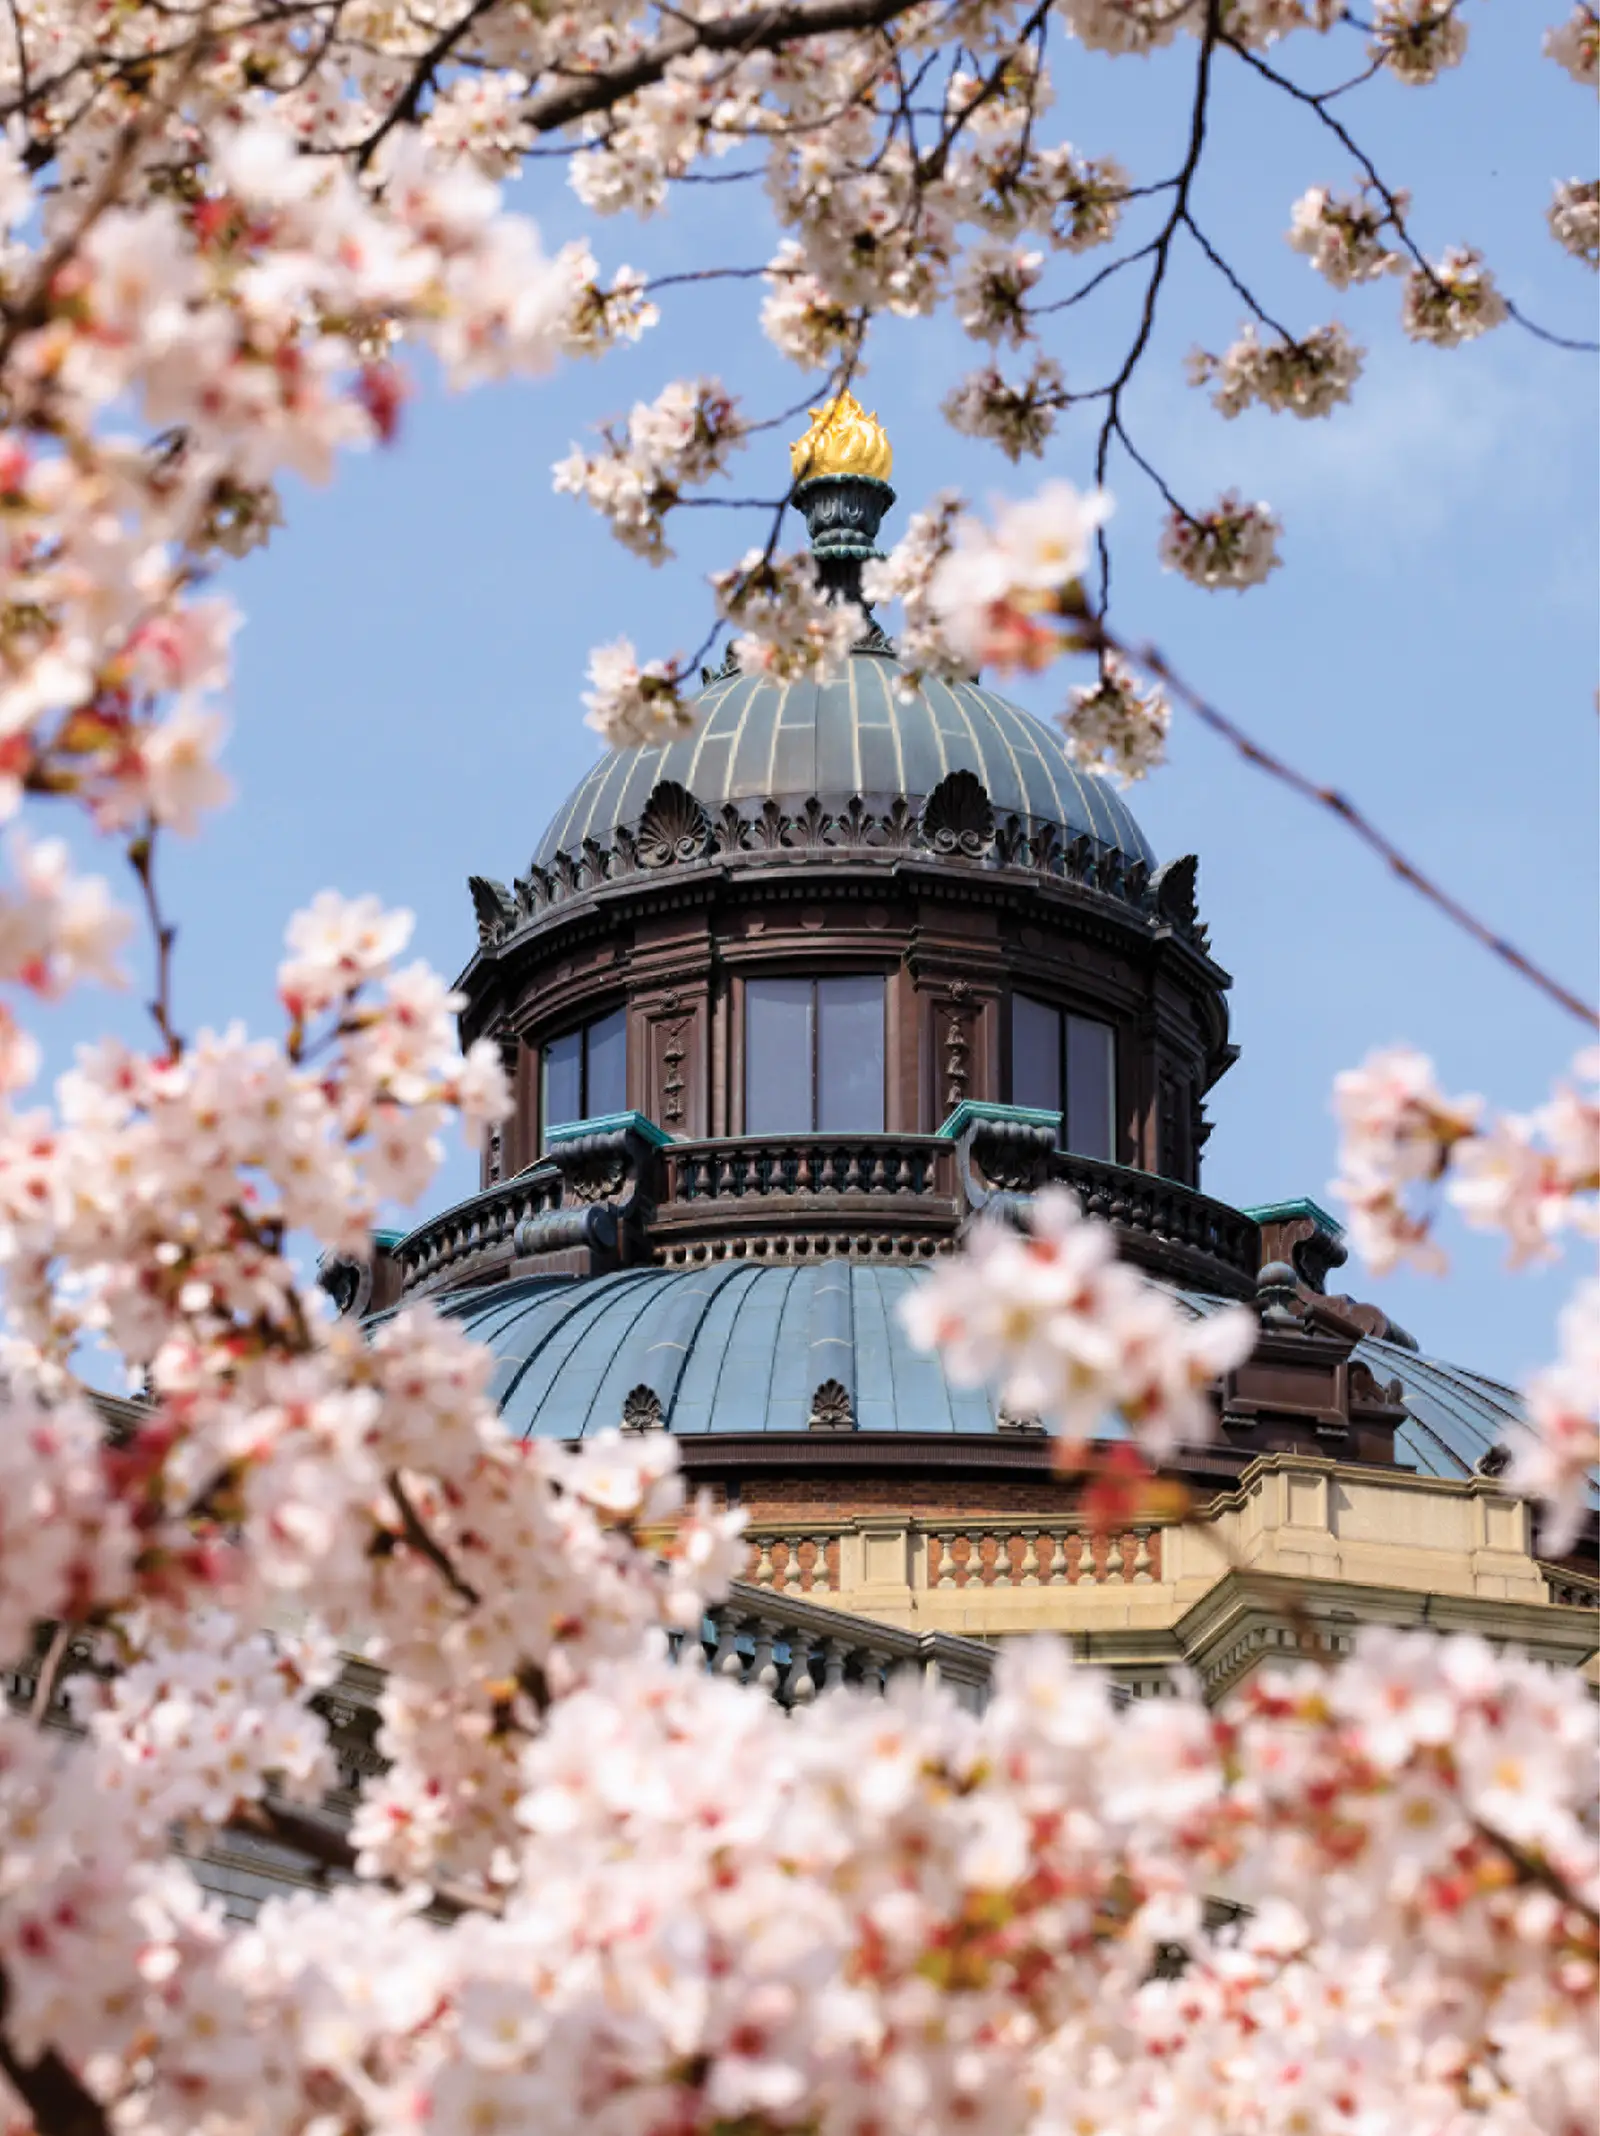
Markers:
{"x": 832, "y": 1408}
{"x": 641, "y": 1410}
{"x": 958, "y": 817}
{"x": 674, "y": 827}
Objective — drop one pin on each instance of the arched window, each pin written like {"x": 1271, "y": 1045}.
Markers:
{"x": 1066, "y": 1064}
{"x": 585, "y": 1072}
{"x": 813, "y": 1056}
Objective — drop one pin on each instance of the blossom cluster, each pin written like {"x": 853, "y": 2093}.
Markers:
{"x": 1308, "y": 377}
{"x": 892, "y": 1914}
{"x": 1018, "y": 417}
{"x": 786, "y": 623}
{"x": 1532, "y": 1177}
{"x": 1114, "y": 728}
{"x": 1234, "y": 544}
{"x": 1574, "y": 45}
{"x": 1574, "y": 216}
{"x": 1416, "y": 40}
{"x": 1343, "y": 238}
{"x": 681, "y": 438}
{"x": 996, "y": 595}
{"x": 628, "y": 704}
{"x": 1074, "y": 1336}
{"x": 1451, "y": 300}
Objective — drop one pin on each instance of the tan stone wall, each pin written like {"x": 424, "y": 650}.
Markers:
{"x": 1350, "y": 1545}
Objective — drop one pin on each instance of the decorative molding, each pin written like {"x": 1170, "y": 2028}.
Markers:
{"x": 673, "y": 828}
{"x": 832, "y": 1408}
{"x": 494, "y": 906}
{"x": 957, "y": 818}
{"x": 955, "y": 823}
{"x": 641, "y": 1410}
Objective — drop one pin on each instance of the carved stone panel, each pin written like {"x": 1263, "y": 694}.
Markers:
{"x": 675, "y": 1032}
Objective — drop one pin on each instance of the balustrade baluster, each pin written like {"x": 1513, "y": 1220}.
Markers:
{"x": 765, "y": 1674}
{"x": 799, "y": 1687}
{"x": 832, "y": 1664}
{"x": 1030, "y": 1558}
{"x": 1114, "y": 1571}
{"x": 763, "y": 1574}
{"x": 1141, "y": 1562}
{"x": 727, "y": 1660}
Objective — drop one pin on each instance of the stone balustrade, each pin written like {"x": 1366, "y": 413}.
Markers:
{"x": 793, "y": 1196}
{"x": 481, "y": 1228}
{"x": 797, "y": 1560}
{"x": 794, "y": 1650}
{"x": 1175, "y": 1229}
{"x": 1061, "y": 1554}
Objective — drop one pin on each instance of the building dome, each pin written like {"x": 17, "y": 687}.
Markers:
{"x": 864, "y": 735}
{"x": 738, "y": 1347}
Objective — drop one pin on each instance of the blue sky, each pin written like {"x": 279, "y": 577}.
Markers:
{"x": 407, "y": 702}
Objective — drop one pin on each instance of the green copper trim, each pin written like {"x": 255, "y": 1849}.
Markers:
{"x": 1285, "y": 1212}
{"x": 609, "y": 1124}
{"x": 974, "y": 1109}
{"x": 386, "y": 1240}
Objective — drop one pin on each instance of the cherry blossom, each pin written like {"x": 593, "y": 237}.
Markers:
{"x": 1309, "y": 377}
{"x": 1343, "y": 237}
{"x": 629, "y": 704}
{"x": 1397, "y": 1132}
{"x": 992, "y": 586}
{"x": 786, "y": 623}
{"x": 1020, "y": 418}
{"x": 1234, "y": 544}
{"x": 681, "y": 438}
{"x": 1555, "y": 1459}
{"x": 1574, "y": 217}
{"x": 1116, "y": 729}
{"x": 990, "y": 293}
{"x": 1575, "y": 45}
{"x": 1418, "y": 39}
{"x": 1452, "y": 300}
{"x": 1073, "y": 1335}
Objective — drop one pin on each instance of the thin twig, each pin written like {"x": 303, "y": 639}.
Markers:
{"x": 425, "y": 1546}
{"x": 1341, "y": 806}
{"x": 164, "y": 933}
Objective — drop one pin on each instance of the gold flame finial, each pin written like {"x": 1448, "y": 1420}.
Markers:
{"x": 843, "y": 440}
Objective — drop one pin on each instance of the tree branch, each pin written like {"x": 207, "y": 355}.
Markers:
{"x": 1328, "y": 798}
{"x": 758, "y": 29}
{"x": 50, "y": 2090}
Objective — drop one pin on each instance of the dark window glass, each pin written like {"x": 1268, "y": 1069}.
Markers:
{"x": 850, "y": 1056}
{"x": 1035, "y": 1054}
{"x": 586, "y": 1071}
{"x": 1068, "y": 1065}
{"x": 778, "y": 1050}
{"x": 563, "y": 1080}
{"x": 605, "y": 1045}
{"x": 1090, "y": 1055}
{"x": 813, "y": 1056}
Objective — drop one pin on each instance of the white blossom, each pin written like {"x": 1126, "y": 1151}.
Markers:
{"x": 1309, "y": 377}
{"x": 1343, "y": 238}
{"x": 1416, "y": 40}
{"x": 1574, "y": 216}
{"x": 1019, "y": 418}
{"x": 1574, "y": 45}
{"x": 629, "y": 704}
{"x": 1114, "y": 728}
{"x": 1234, "y": 544}
{"x": 1453, "y": 299}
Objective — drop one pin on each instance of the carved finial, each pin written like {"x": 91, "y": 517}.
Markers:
{"x": 843, "y": 440}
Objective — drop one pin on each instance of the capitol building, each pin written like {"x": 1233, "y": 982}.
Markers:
{"x": 787, "y": 1003}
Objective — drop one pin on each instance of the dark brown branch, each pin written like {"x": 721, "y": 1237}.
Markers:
{"x": 425, "y": 1546}
{"x": 52, "y": 2093}
{"x": 1337, "y": 804}
{"x": 758, "y": 29}
{"x": 1532, "y": 1870}
{"x": 164, "y": 934}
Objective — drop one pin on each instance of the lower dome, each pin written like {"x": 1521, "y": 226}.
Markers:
{"x": 740, "y": 1346}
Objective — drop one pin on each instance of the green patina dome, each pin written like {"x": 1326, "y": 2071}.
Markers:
{"x": 863, "y": 733}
